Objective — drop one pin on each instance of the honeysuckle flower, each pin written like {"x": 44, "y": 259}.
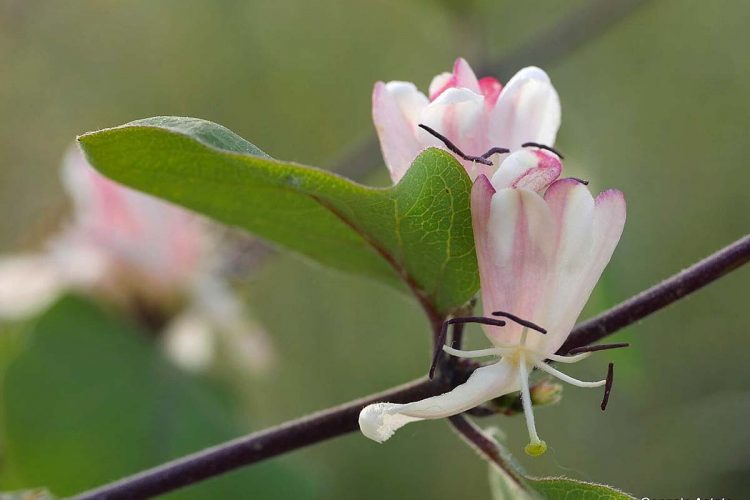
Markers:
{"x": 154, "y": 261}
{"x": 542, "y": 244}
{"x": 477, "y": 114}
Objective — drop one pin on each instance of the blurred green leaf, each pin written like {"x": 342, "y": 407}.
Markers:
{"x": 90, "y": 401}
{"x": 416, "y": 233}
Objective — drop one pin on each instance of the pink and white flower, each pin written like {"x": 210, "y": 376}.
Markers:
{"x": 154, "y": 261}
{"x": 542, "y": 244}
{"x": 476, "y": 114}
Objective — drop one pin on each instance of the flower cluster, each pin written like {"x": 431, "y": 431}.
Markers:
{"x": 542, "y": 241}
{"x": 155, "y": 262}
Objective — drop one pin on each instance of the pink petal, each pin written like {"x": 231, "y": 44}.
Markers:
{"x": 490, "y": 88}
{"x": 464, "y": 76}
{"x": 528, "y": 110}
{"x": 514, "y": 251}
{"x": 396, "y": 107}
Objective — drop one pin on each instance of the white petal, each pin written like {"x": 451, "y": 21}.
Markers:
{"x": 567, "y": 290}
{"x": 28, "y": 284}
{"x": 528, "y": 110}
{"x": 515, "y": 259}
{"x": 380, "y": 420}
{"x": 396, "y": 107}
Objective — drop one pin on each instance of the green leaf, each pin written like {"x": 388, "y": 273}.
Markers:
{"x": 551, "y": 488}
{"x": 561, "y": 488}
{"x": 90, "y": 400}
{"x": 417, "y": 233}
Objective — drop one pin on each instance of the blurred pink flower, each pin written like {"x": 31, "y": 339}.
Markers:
{"x": 153, "y": 260}
{"x": 476, "y": 114}
{"x": 541, "y": 245}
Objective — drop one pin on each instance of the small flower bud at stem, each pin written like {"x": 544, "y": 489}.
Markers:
{"x": 546, "y": 392}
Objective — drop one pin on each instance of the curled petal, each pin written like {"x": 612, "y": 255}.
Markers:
{"x": 396, "y": 108}
{"x": 527, "y": 169}
{"x": 380, "y": 421}
{"x": 528, "y": 109}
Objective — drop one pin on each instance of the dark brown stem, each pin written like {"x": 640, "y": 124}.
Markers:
{"x": 341, "y": 420}
{"x": 258, "y": 446}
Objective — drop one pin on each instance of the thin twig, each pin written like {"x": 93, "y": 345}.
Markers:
{"x": 485, "y": 446}
{"x": 292, "y": 435}
{"x": 341, "y": 420}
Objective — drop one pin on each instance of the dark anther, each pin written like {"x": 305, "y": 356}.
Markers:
{"x": 582, "y": 181}
{"x": 494, "y": 150}
{"x": 542, "y": 146}
{"x": 608, "y": 385}
{"x": 440, "y": 342}
{"x": 594, "y": 348}
{"x": 454, "y": 148}
{"x": 520, "y": 321}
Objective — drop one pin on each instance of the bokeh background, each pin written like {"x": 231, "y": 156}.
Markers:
{"x": 656, "y": 105}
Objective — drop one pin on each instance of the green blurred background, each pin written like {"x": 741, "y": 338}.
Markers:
{"x": 657, "y": 106}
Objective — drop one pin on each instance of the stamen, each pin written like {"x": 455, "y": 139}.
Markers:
{"x": 536, "y": 446}
{"x": 440, "y": 341}
{"x": 479, "y": 353}
{"x": 522, "y": 322}
{"x": 494, "y": 150}
{"x": 608, "y": 385}
{"x": 453, "y": 147}
{"x": 599, "y": 347}
{"x": 542, "y": 146}
{"x": 568, "y": 359}
{"x": 567, "y": 378}
{"x": 582, "y": 181}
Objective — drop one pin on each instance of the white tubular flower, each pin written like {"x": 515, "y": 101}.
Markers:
{"x": 541, "y": 245}
{"x": 140, "y": 254}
